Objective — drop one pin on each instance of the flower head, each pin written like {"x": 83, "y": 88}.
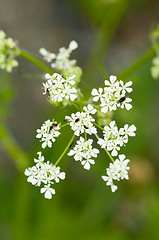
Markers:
{"x": 8, "y": 52}
{"x": 44, "y": 173}
{"x": 115, "y": 138}
{"x": 47, "y": 55}
{"x": 81, "y": 122}
{"x": 60, "y": 89}
{"x": 48, "y": 132}
{"x": 113, "y": 95}
{"x": 83, "y": 152}
{"x": 117, "y": 171}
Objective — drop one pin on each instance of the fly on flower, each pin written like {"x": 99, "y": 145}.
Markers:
{"x": 122, "y": 99}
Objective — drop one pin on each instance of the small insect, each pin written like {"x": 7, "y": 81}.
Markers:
{"x": 48, "y": 93}
{"x": 85, "y": 127}
{"x": 77, "y": 120}
{"x": 53, "y": 126}
{"x": 122, "y": 99}
{"x": 72, "y": 143}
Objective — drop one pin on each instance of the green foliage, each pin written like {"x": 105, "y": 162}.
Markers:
{"x": 7, "y": 94}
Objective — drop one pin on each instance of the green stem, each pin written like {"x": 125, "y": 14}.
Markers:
{"x": 139, "y": 63}
{"x": 85, "y": 134}
{"x": 105, "y": 150}
{"x": 64, "y": 125}
{"x": 98, "y": 126}
{"x": 10, "y": 145}
{"x": 75, "y": 105}
{"x": 37, "y": 62}
{"x": 67, "y": 147}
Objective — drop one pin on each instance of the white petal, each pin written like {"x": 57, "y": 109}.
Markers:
{"x": 113, "y": 188}
{"x": 73, "y": 45}
{"x": 95, "y": 99}
{"x": 73, "y": 97}
{"x": 52, "y": 190}
{"x": 71, "y": 153}
{"x": 62, "y": 175}
{"x": 42, "y": 190}
{"x": 121, "y": 157}
{"x": 87, "y": 166}
{"x": 132, "y": 128}
{"x": 128, "y": 106}
{"x": 114, "y": 152}
{"x": 104, "y": 109}
{"x": 128, "y": 84}
{"x": 27, "y": 172}
{"x": 113, "y": 78}
{"x": 48, "y": 194}
{"x": 105, "y": 178}
{"x": 94, "y": 92}
{"x": 44, "y": 144}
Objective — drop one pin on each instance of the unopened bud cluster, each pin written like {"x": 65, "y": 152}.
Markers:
{"x": 155, "y": 60}
{"x": 8, "y": 52}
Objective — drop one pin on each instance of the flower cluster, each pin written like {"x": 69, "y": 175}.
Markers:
{"x": 62, "y": 63}
{"x": 59, "y": 89}
{"x": 47, "y": 55}
{"x": 48, "y": 132}
{"x": 113, "y": 95}
{"x": 155, "y": 60}
{"x": 44, "y": 173}
{"x": 62, "y": 58}
{"x": 83, "y": 152}
{"x": 115, "y": 138}
{"x": 117, "y": 171}
{"x": 81, "y": 122}
{"x": 8, "y": 52}
{"x": 155, "y": 68}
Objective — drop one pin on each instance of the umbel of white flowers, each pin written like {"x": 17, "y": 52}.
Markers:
{"x": 117, "y": 171}
{"x": 61, "y": 88}
{"x": 62, "y": 61}
{"x": 44, "y": 173}
{"x": 113, "y": 95}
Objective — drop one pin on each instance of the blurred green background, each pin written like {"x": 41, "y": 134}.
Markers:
{"x": 112, "y": 34}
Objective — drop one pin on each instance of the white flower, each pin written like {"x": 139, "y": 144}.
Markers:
{"x": 87, "y": 163}
{"x": 97, "y": 93}
{"x": 117, "y": 171}
{"x": 126, "y": 88}
{"x": 47, "y": 55}
{"x": 44, "y": 173}
{"x": 113, "y": 95}
{"x": 115, "y": 138}
{"x": 81, "y": 122}
{"x": 40, "y": 159}
{"x": 62, "y": 61}
{"x": 83, "y": 152}
{"x": 126, "y": 104}
{"x": 89, "y": 109}
{"x": 48, "y": 132}
{"x": 60, "y": 89}
{"x": 48, "y": 191}
{"x": 113, "y": 83}
{"x": 128, "y": 131}
{"x": 110, "y": 183}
